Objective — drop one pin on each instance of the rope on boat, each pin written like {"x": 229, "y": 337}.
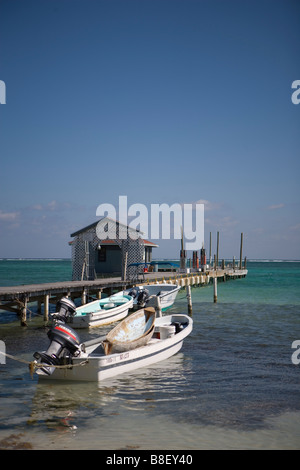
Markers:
{"x": 35, "y": 365}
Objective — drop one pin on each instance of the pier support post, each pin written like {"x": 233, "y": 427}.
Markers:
{"x": 241, "y": 251}
{"x": 83, "y": 297}
{"x": 158, "y": 307}
{"x": 217, "y": 260}
{"x": 210, "y": 249}
{"x": 215, "y": 283}
{"x": 189, "y": 299}
{"x": 46, "y": 307}
{"x": 24, "y": 312}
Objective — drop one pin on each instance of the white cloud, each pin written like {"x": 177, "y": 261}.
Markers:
{"x": 208, "y": 205}
{"x": 52, "y": 206}
{"x": 8, "y": 215}
{"x": 37, "y": 207}
{"x": 295, "y": 228}
{"x": 275, "y": 207}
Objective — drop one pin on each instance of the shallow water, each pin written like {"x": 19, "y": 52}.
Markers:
{"x": 232, "y": 386}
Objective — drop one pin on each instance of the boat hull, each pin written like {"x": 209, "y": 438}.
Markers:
{"x": 103, "y": 367}
{"x": 90, "y": 315}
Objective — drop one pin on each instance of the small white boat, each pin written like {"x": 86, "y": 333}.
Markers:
{"x": 92, "y": 364}
{"x": 101, "y": 312}
{"x": 144, "y": 295}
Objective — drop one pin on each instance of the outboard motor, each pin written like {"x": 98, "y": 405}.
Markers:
{"x": 64, "y": 340}
{"x": 143, "y": 298}
{"x": 65, "y": 309}
{"x": 133, "y": 293}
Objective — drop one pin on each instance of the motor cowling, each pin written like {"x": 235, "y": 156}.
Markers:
{"x": 63, "y": 346}
{"x": 133, "y": 293}
{"x": 143, "y": 298}
{"x": 65, "y": 309}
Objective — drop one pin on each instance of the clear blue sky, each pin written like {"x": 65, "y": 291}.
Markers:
{"x": 161, "y": 100}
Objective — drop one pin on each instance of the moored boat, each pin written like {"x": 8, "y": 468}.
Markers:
{"x": 144, "y": 295}
{"x": 102, "y": 312}
{"x": 88, "y": 361}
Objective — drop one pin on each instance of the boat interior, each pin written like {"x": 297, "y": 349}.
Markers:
{"x": 161, "y": 332}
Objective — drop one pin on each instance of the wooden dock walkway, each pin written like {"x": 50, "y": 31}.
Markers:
{"x": 16, "y": 298}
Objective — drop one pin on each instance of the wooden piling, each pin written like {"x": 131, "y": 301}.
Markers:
{"x": 189, "y": 299}
{"x": 158, "y": 307}
{"x": 218, "y": 240}
{"x": 83, "y": 297}
{"x": 46, "y": 307}
{"x": 210, "y": 249}
{"x": 241, "y": 251}
{"x": 24, "y": 312}
{"x": 215, "y": 283}
{"x": 124, "y": 274}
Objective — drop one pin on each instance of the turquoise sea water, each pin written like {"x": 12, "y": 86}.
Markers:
{"x": 34, "y": 271}
{"x": 232, "y": 386}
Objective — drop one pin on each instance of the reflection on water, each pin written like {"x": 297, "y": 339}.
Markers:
{"x": 65, "y": 403}
{"x": 164, "y": 406}
{"x": 233, "y": 385}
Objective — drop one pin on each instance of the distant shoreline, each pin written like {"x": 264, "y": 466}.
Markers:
{"x": 256, "y": 260}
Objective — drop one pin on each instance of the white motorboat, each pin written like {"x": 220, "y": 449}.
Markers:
{"x": 144, "y": 295}
{"x": 101, "y": 312}
{"x": 75, "y": 361}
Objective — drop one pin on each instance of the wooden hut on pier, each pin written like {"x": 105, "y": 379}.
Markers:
{"x": 107, "y": 248}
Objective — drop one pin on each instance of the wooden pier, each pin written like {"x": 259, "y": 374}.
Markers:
{"x": 16, "y": 298}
